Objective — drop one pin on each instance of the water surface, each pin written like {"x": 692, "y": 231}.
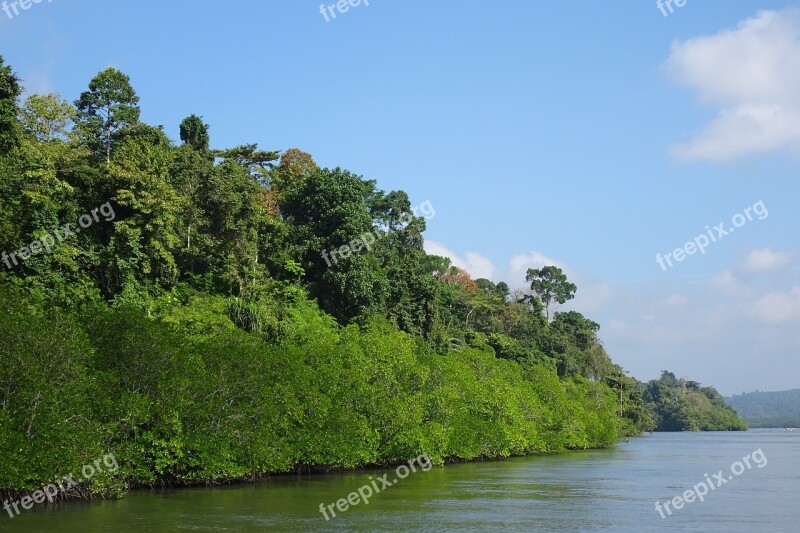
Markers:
{"x": 599, "y": 490}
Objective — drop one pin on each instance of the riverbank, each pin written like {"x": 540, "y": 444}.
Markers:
{"x": 177, "y": 408}
{"x": 612, "y": 489}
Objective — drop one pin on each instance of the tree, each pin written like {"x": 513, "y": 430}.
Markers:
{"x": 437, "y": 266}
{"x": 258, "y": 163}
{"x": 327, "y": 212}
{"x": 295, "y": 165}
{"x": 668, "y": 379}
{"x": 191, "y": 173}
{"x": 501, "y": 289}
{"x": 353, "y": 289}
{"x": 9, "y": 93}
{"x": 47, "y": 117}
{"x": 41, "y": 188}
{"x": 550, "y": 284}
{"x": 144, "y": 240}
{"x": 195, "y": 133}
{"x": 688, "y": 409}
{"x": 46, "y": 184}
{"x": 231, "y": 204}
{"x": 108, "y": 106}
{"x": 581, "y": 330}
{"x": 393, "y": 211}
{"x": 581, "y": 352}
{"x": 10, "y": 137}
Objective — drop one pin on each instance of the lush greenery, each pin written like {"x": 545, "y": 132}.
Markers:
{"x": 197, "y": 331}
{"x": 193, "y": 398}
{"x": 683, "y": 405}
{"x": 768, "y": 409}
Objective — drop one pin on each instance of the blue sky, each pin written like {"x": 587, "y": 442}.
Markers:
{"x": 592, "y": 135}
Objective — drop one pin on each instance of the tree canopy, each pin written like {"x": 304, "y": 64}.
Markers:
{"x": 109, "y": 106}
{"x": 196, "y": 327}
{"x": 550, "y": 285}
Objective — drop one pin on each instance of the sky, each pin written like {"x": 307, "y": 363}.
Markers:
{"x": 589, "y": 135}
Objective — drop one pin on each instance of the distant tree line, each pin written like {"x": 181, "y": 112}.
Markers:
{"x": 683, "y": 405}
{"x": 768, "y": 409}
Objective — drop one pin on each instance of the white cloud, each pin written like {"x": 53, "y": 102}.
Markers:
{"x": 476, "y": 264}
{"x": 519, "y": 265}
{"x": 675, "y": 300}
{"x": 726, "y": 282}
{"x": 709, "y": 331}
{"x": 591, "y": 294}
{"x": 766, "y": 260}
{"x": 752, "y": 73}
{"x": 779, "y": 307}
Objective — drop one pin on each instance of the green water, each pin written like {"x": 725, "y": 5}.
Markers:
{"x": 601, "y": 490}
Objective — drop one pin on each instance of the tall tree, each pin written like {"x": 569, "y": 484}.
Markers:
{"x": 328, "y": 212}
{"x": 10, "y": 137}
{"x": 230, "y": 201}
{"x": 47, "y": 117}
{"x": 108, "y": 106}
{"x": 258, "y": 163}
{"x": 295, "y": 165}
{"x": 10, "y": 90}
{"x": 49, "y": 160}
{"x": 144, "y": 239}
{"x": 550, "y": 284}
{"x": 194, "y": 132}
{"x": 191, "y": 174}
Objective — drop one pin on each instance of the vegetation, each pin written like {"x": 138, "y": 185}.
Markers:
{"x": 682, "y": 405}
{"x": 199, "y": 335}
{"x": 768, "y": 409}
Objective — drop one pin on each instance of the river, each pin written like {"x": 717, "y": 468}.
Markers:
{"x": 614, "y": 489}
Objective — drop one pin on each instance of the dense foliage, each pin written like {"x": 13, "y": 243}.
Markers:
{"x": 768, "y": 409}
{"x": 683, "y": 405}
{"x": 192, "y": 398}
{"x": 175, "y": 305}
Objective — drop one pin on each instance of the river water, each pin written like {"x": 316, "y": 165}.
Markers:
{"x": 615, "y": 489}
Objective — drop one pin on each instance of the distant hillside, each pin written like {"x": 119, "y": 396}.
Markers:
{"x": 681, "y": 405}
{"x": 768, "y": 409}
